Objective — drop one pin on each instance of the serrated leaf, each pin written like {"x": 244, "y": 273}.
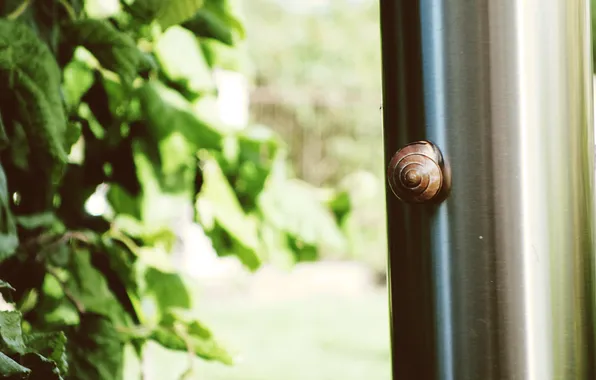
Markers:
{"x": 11, "y": 369}
{"x": 11, "y": 335}
{"x": 182, "y": 60}
{"x": 44, "y": 134}
{"x": 218, "y": 196}
{"x": 30, "y": 71}
{"x": 115, "y": 50}
{"x": 52, "y": 346}
{"x": 95, "y": 350}
{"x": 22, "y": 51}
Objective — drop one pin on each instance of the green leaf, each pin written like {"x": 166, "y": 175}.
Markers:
{"x": 165, "y": 193}
{"x": 4, "y": 286}
{"x": 218, "y": 199}
{"x": 183, "y": 334}
{"x": 11, "y": 369}
{"x": 6, "y": 290}
{"x": 226, "y": 12}
{"x": 206, "y": 23}
{"x": 9, "y": 240}
{"x": 30, "y": 71}
{"x": 176, "y": 11}
{"x": 42, "y": 353}
{"x": 78, "y": 79}
{"x": 45, "y": 134}
{"x": 21, "y": 51}
{"x": 167, "y": 289}
{"x": 35, "y": 221}
{"x": 90, "y": 287}
{"x": 95, "y": 349}
{"x": 182, "y": 60}
{"x": 11, "y": 336}
{"x": 114, "y": 50}
{"x": 116, "y": 262}
{"x": 293, "y": 206}
{"x": 163, "y": 291}
{"x": 123, "y": 202}
{"x": 166, "y": 112}
{"x": 52, "y": 347}
{"x": 167, "y": 13}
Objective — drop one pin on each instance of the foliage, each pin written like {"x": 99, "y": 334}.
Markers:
{"x": 121, "y": 94}
{"x": 319, "y": 85}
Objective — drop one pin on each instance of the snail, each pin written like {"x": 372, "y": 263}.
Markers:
{"x": 417, "y": 173}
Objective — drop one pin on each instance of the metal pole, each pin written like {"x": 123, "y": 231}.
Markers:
{"x": 497, "y": 280}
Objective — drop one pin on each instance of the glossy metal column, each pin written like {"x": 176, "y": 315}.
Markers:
{"x": 496, "y": 282}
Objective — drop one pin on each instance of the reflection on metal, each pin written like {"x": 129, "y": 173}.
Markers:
{"x": 417, "y": 173}
{"x": 497, "y": 281}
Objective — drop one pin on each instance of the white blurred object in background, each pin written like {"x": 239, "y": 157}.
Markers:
{"x": 232, "y": 98}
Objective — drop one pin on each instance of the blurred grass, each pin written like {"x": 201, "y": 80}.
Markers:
{"x": 316, "y": 338}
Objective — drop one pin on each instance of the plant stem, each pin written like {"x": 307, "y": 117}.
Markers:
{"x": 69, "y": 9}
{"x": 19, "y": 11}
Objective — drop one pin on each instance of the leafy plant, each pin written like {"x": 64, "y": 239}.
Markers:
{"x": 125, "y": 100}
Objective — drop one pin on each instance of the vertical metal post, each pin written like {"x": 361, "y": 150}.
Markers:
{"x": 497, "y": 281}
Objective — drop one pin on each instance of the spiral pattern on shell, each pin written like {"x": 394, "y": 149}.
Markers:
{"x": 417, "y": 173}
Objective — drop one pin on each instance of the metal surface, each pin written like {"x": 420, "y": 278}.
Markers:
{"x": 497, "y": 281}
{"x": 418, "y": 173}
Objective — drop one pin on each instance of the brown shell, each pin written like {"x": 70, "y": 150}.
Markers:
{"x": 418, "y": 174}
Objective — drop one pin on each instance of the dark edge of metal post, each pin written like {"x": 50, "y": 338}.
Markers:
{"x": 414, "y": 346}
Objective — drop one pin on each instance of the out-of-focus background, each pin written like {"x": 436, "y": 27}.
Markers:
{"x": 313, "y": 75}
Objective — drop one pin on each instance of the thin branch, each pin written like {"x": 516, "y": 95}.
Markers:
{"x": 69, "y": 9}
{"x": 75, "y": 302}
{"x": 48, "y": 241}
{"x": 50, "y": 238}
{"x": 122, "y": 238}
{"x": 178, "y": 330}
{"x": 19, "y": 11}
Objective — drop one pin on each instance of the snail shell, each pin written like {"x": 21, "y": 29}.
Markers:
{"x": 417, "y": 173}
